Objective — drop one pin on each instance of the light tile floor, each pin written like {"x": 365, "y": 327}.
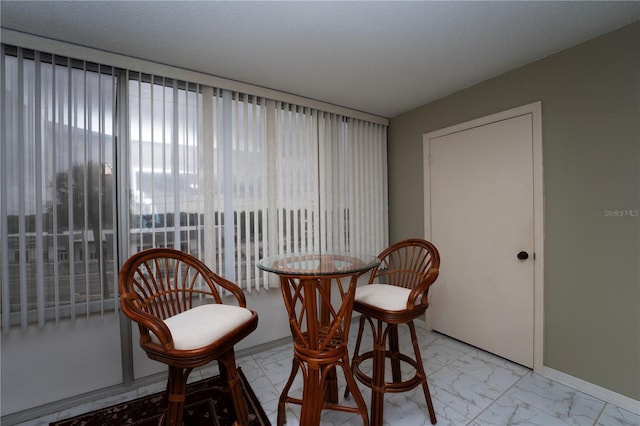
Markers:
{"x": 468, "y": 387}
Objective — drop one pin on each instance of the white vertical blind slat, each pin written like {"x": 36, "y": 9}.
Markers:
{"x": 227, "y": 155}
{"x": 6, "y": 307}
{"x": 183, "y": 171}
{"x": 362, "y": 217}
{"x": 281, "y": 168}
{"x": 264, "y": 187}
{"x": 119, "y": 144}
{"x": 311, "y": 214}
{"x": 239, "y": 114}
{"x": 219, "y": 182}
{"x": 85, "y": 181}
{"x": 368, "y": 180}
{"x": 39, "y": 184}
{"x": 152, "y": 157}
{"x": 56, "y": 139}
{"x": 187, "y": 167}
{"x": 254, "y": 140}
{"x": 208, "y": 174}
{"x": 175, "y": 165}
{"x": 97, "y": 188}
{"x": 105, "y": 169}
{"x": 220, "y": 166}
{"x": 70, "y": 120}
{"x": 201, "y": 168}
{"x": 344, "y": 162}
{"x": 21, "y": 189}
{"x": 315, "y": 214}
{"x": 138, "y": 181}
{"x": 166, "y": 96}
{"x": 326, "y": 163}
{"x": 287, "y": 179}
{"x": 235, "y": 147}
{"x": 355, "y": 190}
{"x": 271, "y": 166}
{"x": 296, "y": 178}
{"x": 288, "y": 168}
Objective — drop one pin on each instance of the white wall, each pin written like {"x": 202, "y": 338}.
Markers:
{"x": 43, "y": 366}
{"x": 40, "y": 366}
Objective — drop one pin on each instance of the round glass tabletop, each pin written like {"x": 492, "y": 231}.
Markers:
{"x": 318, "y": 264}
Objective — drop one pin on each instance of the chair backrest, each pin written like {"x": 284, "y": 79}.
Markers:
{"x": 412, "y": 263}
{"x": 163, "y": 282}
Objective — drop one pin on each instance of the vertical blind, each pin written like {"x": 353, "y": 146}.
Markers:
{"x": 165, "y": 153}
{"x": 57, "y": 198}
{"x": 229, "y": 177}
{"x": 353, "y": 184}
{"x": 295, "y": 177}
{"x": 235, "y": 196}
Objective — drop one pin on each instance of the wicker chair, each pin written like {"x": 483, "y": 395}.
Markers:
{"x": 177, "y": 303}
{"x": 396, "y": 294}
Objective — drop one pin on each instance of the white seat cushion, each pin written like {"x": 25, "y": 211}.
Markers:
{"x": 203, "y": 324}
{"x": 383, "y": 296}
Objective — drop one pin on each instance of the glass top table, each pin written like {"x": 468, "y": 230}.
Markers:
{"x": 319, "y": 327}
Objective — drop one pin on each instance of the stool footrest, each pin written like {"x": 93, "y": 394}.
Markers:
{"x": 394, "y": 387}
{"x": 325, "y": 405}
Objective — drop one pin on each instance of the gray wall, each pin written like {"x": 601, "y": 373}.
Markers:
{"x": 591, "y": 158}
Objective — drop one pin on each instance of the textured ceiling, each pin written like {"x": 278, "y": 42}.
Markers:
{"x": 379, "y": 57}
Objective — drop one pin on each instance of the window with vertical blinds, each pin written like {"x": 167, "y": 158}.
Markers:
{"x": 326, "y": 183}
{"x": 57, "y": 199}
{"x": 103, "y": 162}
{"x": 165, "y": 150}
{"x": 353, "y": 184}
{"x": 294, "y": 180}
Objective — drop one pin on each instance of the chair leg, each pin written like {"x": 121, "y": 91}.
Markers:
{"x": 228, "y": 371}
{"x": 351, "y": 384}
{"x": 175, "y": 396}
{"x": 378, "y": 380}
{"x": 394, "y": 353}
{"x": 282, "y": 417}
{"x": 421, "y": 373}
{"x": 357, "y": 349}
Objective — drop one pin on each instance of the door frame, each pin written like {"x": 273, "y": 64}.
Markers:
{"x": 535, "y": 110}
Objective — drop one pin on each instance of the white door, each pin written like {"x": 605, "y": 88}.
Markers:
{"x": 481, "y": 190}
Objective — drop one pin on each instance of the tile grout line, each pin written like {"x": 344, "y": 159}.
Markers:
{"x": 604, "y": 407}
{"x": 500, "y": 396}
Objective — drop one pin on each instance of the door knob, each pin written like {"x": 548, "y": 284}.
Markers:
{"x": 523, "y": 255}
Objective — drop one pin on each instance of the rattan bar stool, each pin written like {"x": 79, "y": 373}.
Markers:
{"x": 176, "y": 301}
{"x": 396, "y": 294}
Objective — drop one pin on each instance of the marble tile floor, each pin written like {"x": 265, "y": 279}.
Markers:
{"x": 468, "y": 387}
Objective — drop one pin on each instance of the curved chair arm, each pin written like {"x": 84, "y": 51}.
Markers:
{"x": 232, "y": 287}
{"x": 147, "y": 322}
{"x": 418, "y": 295}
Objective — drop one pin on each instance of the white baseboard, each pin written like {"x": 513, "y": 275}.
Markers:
{"x": 596, "y": 391}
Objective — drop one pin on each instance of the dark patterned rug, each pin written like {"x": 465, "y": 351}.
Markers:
{"x": 208, "y": 403}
